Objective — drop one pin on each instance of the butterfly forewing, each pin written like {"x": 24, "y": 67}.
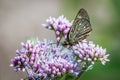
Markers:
{"x": 80, "y": 28}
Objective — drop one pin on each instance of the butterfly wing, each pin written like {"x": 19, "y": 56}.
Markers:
{"x": 80, "y": 28}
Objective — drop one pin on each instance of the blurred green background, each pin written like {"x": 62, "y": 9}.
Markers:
{"x": 22, "y": 19}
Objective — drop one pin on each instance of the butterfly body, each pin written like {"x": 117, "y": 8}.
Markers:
{"x": 80, "y": 28}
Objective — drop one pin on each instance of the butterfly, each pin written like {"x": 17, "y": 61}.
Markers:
{"x": 80, "y": 29}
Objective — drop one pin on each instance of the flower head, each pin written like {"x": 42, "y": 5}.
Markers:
{"x": 88, "y": 53}
{"x": 44, "y": 60}
{"x": 61, "y": 26}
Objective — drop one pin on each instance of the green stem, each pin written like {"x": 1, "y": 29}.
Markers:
{"x": 63, "y": 77}
{"x": 82, "y": 71}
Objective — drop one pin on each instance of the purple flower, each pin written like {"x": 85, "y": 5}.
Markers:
{"x": 87, "y": 53}
{"x": 44, "y": 60}
{"x": 61, "y": 26}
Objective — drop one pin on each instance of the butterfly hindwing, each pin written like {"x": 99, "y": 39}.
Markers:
{"x": 80, "y": 28}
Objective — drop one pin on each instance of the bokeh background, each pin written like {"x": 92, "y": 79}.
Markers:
{"x": 22, "y": 19}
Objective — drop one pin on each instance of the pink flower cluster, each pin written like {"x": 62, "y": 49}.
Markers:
{"x": 88, "y": 52}
{"x": 61, "y": 26}
{"x": 43, "y": 60}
